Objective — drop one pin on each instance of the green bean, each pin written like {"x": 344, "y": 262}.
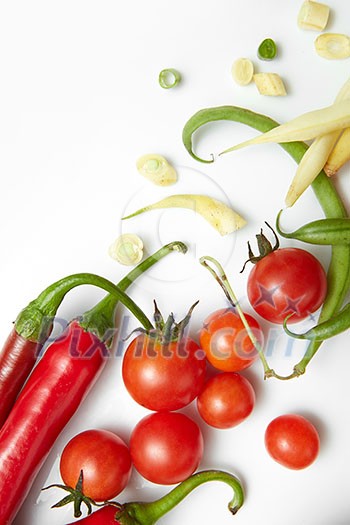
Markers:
{"x": 338, "y": 275}
{"x": 234, "y": 113}
{"x": 322, "y": 331}
{"x": 322, "y": 231}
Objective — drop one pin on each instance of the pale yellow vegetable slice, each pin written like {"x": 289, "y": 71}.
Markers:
{"x": 270, "y": 84}
{"x": 242, "y": 71}
{"x": 156, "y": 169}
{"x": 127, "y": 249}
{"x": 339, "y": 155}
{"x": 223, "y": 218}
{"x": 305, "y": 127}
{"x": 313, "y": 15}
{"x": 333, "y": 46}
{"x": 315, "y": 157}
{"x": 312, "y": 163}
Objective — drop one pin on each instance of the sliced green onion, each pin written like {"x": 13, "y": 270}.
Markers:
{"x": 333, "y": 46}
{"x": 267, "y": 49}
{"x": 242, "y": 71}
{"x": 156, "y": 169}
{"x": 127, "y": 249}
{"x": 313, "y": 15}
{"x": 169, "y": 78}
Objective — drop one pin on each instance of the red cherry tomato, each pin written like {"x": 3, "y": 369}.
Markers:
{"x": 104, "y": 459}
{"x": 292, "y": 441}
{"x": 166, "y": 447}
{"x": 226, "y": 400}
{"x": 287, "y": 281}
{"x": 163, "y": 376}
{"x": 226, "y": 343}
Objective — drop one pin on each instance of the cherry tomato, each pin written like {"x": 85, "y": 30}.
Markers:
{"x": 226, "y": 400}
{"x": 166, "y": 447}
{"x": 292, "y": 441}
{"x": 163, "y": 376}
{"x": 104, "y": 459}
{"x": 226, "y": 343}
{"x": 287, "y": 281}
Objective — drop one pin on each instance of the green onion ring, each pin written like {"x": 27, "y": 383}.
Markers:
{"x": 267, "y": 49}
{"x": 169, "y": 78}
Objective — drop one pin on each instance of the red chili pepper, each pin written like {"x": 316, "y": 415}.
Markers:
{"x": 24, "y": 344}
{"x": 49, "y": 399}
{"x": 55, "y": 389}
{"x": 17, "y": 359}
{"x": 142, "y": 513}
{"x": 104, "y": 516}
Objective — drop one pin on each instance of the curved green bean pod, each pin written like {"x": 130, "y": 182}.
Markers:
{"x": 338, "y": 275}
{"x": 333, "y": 326}
{"x": 323, "y": 231}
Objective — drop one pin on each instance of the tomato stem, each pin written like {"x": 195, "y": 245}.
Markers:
{"x": 77, "y": 497}
{"x": 264, "y": 246}
{"x": 221, "y": 277}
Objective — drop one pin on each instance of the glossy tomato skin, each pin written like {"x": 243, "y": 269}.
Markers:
{"x": 104, "y": 459}
{"x": 226, "y": 400}
{"x": 287, "y": 281}
{"x": 163, "y": 377}
{"x": 166, "y": 447}
{"x": 225, "y": 341}
{"x": 293, "y": 441}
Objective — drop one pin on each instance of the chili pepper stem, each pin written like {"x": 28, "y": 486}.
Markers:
{"x": 115, "y": 291}
{"x": 149, "y": 513}
{"x": 35, "y": 321}
{"x": 101, "y": 317}
{"x": 221, "y": 278}
{"x": 121, "y": 296}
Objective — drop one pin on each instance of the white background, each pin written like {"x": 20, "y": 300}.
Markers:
{"x": 79, "y": 103}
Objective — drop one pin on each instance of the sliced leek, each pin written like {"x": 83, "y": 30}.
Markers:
{"x": 127, "y": 249}
{"x": 310, "y": 166}
{"x": 270, "y": 84}
{"x": 242, "y": 71}
{"x": 333, "y": 46}
{"x": 223, "y": 218}
{"x": 306, "y": 126}
{"x": 156, "y": 169}
{"x": 313, "y": 15}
